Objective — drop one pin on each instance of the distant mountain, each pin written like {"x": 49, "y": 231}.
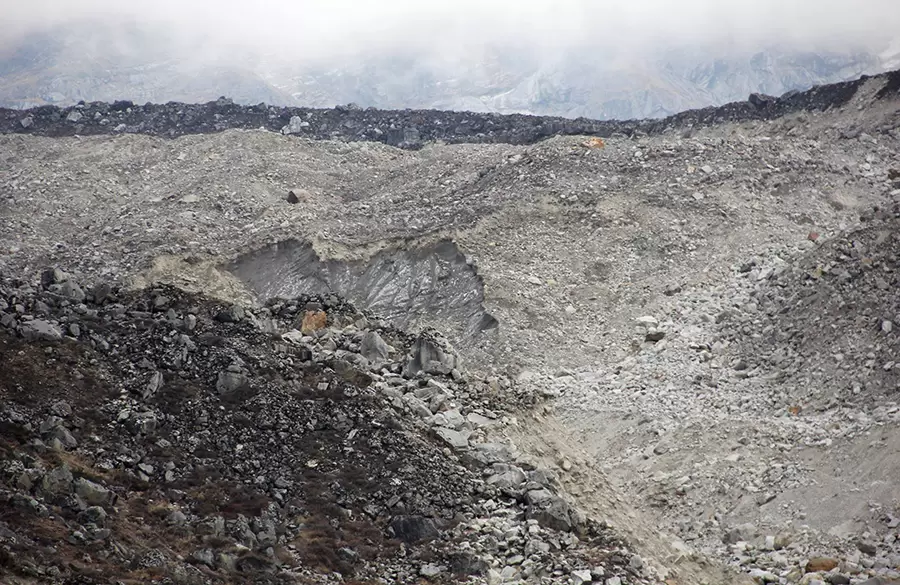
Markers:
{"x": 107, "y": 63}
{"x": 90, "y": 62}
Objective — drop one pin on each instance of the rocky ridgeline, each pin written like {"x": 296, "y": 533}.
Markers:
{"x": 406, "y": 128}
{"x": 159, "y": 436}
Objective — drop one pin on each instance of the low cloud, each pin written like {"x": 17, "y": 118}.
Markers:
{"x": 319, "y": 30}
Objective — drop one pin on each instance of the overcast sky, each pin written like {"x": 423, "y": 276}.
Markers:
{"x": 306, "y": 29}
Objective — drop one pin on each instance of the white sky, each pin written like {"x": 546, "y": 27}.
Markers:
{"x": 307, "y": 29}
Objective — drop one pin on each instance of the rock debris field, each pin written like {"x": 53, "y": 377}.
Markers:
{"x": 266, "y": 345}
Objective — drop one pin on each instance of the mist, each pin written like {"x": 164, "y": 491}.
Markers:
{"x": 318, "y": 31}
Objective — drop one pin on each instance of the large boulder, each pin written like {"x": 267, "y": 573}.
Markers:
{"x": 52, "y": 276}
{"x": 414, "y": 529}
{"x": 373, "y": 348}
{"x": 230, "y": 381}
{"x": 58, "y": 481}
{"x": 295, "y": 126}
{"x": 550, "y": 510}
{"x": 428, "y": 356}
{"x": 92, "y": 493}
{"x": 39, "y": 329}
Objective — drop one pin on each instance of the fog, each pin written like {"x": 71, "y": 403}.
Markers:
{"x": 314, "y": 31}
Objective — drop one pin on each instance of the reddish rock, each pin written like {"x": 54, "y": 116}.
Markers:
{"x": 313, "y": 321}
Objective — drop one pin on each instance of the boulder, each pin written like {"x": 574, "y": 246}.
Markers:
{"x": 414, "y": 529}
{"x": 40, "y": 330}
{"x": 228, "y": 381}
{"x": 456, "y": 439}
{"x": 429, "y": 357}
{"x": 550, "y": 510}
{"x": 295, "y": 126}
{"x": 373, "y": 347}
{"x": 58, "y": 481}
{"x": 313, "y": 321}
{"x": 295, "y": 196}
{"x": 52, "y": 276}
{"x": 821, "y": 564}
{"x": 92, "y": 493}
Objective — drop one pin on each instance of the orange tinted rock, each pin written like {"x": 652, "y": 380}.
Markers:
{"x": 820, "y": 564}
{"x": 313, "y": 321}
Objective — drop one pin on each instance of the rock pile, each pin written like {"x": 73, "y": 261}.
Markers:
{"x": 798, "y": 371}
{"x": 852, "y": 283}
{"x": 158, "y": 435}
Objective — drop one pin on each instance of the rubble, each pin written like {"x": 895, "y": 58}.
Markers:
{"x": 265, "y": 456}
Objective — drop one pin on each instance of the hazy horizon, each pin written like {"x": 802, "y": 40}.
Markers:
{"x": 317, "y": 32}
{"x": 605, "y": 59}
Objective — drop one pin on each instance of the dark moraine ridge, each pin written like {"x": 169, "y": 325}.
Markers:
{"x": 403, "y": 128}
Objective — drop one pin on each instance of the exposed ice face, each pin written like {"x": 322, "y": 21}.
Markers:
{"x": 409, "y": 288}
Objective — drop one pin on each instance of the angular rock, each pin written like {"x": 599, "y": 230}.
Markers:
{"x": 313, "y": 321}
{"x": 153, "y": 386}
{"x": 228, "y": 382}
{"x": 414, "y": 529}
{"x": 52, "y": 276}
{"x": 373, "y": 347}
{"x": 821, "y": 564}
{"x": 57, "y": 481}
{"x": 295, "y": 126}
{"x": 456, "y": 439}
{"x": 429, "y": 357}
{"x": 39, "y": 330}
{"x": 550, "y": 510}
{"x": 92, "y": 493}
{"x": 233, "y": 314}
